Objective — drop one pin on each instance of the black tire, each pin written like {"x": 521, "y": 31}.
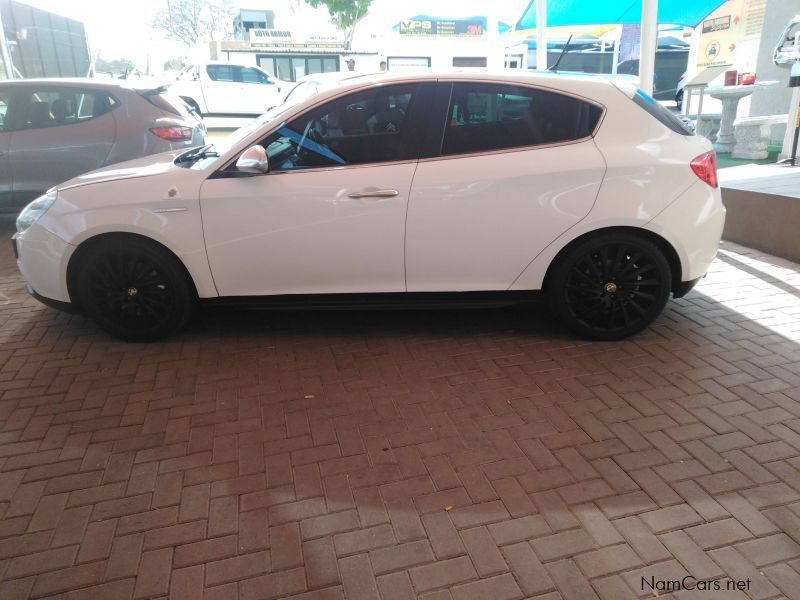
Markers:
{"x": 134, "y": 289}
{"x": 609, "y": 286}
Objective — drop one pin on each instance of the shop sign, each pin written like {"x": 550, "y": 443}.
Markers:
{"x": 443, "y": 27}
{"x": 285, "y": 38}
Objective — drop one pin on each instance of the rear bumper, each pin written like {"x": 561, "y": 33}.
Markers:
{"x": 684, "y": 287}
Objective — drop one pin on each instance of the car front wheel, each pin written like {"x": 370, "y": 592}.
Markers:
{"x": 134, "y": 289}
{"x": 610, "y": 286}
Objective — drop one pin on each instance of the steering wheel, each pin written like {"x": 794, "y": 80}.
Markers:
{"x": 304, "y": 153}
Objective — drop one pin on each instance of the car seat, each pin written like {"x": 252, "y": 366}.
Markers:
{"x": 62, "y": 110}
{"x": 38, "y": 113}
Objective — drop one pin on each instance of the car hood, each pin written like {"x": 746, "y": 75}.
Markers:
{"x": 147, "y": 166}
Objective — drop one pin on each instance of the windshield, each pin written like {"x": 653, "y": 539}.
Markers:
{"x": 212, "y": 152}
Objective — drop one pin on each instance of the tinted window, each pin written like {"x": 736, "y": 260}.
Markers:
{"x": 220, "y": 72}
{"x": 63, "y": 106}
{"x": 485, "y": 116}
{"x": 662, "y": 114}
{"x": 364, "y": 127}
{"x": 253, "y": 76}
{"x": 5, "y": 97}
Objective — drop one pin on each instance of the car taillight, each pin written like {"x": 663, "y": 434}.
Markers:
{"x": 705, "y": 167}
{"x": 173, "y": 134}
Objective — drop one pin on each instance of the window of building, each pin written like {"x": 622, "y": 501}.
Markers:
{"x": 484, "y": 116}
{"x": 292, "y": 68}
{"x": 469, "y": 61}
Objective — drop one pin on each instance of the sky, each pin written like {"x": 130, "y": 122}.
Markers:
{"x": 121, "y": 28}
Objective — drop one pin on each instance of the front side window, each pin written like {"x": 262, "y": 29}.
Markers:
{"x": 220, "y": 72}
{"x": 364, "y": 127}
{"x": 54, "y": 107}
{"x": 486, "y": 116}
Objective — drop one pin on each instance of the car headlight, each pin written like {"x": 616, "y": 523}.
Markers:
{"x": 33, "y": 212}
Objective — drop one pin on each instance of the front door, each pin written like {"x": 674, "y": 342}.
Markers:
{"x": 329, "y": 217}
{"x": 513, "y": 168}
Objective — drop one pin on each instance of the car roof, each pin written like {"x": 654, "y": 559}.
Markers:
{"x": 577, "y": 83}
{"x": 77, "y": 82}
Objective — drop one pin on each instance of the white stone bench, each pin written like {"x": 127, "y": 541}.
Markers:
{"x": 752, "y": 135}
{"x": 709, "y": 126}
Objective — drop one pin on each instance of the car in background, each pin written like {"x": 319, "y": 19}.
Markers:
{"x": 679, "y": 91}
{"x": 396, "y": 189}
{"x": 314, "y": 83}
{"x": 223, "y": 89}
{"x": 52, "y": 130}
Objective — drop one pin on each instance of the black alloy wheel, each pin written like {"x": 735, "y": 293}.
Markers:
{"x": 610, "y": 286}
{"x": 134, "y": 289}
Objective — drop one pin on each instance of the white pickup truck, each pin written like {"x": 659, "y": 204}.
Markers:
{"x": 219, "y": 88}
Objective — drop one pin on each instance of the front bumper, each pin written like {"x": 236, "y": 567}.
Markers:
{"x": 57, "y": 304}
{"x": 42, "y": 259}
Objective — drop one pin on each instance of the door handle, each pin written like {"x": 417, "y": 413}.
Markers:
{"x": 375, "y": 194}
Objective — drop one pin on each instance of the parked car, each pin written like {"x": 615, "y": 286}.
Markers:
{"x": 679, "y": 91}
{"x": 227, "y": 89}
{"x": 396, "y": 189}
{"x": 54, "y": 129}
{"x": 314, "y": 83}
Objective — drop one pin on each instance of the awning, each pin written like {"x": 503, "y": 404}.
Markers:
{"x": 580, "y": 12}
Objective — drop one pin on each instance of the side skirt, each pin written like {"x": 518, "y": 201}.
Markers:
{"x": 382, "y": 301}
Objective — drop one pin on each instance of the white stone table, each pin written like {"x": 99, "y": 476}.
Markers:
{"x": 730, "y": 96}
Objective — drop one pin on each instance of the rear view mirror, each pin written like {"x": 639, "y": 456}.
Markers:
{"x": 253, "y": 160}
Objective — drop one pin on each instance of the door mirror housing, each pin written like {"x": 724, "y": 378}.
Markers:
{"x": 253, "y": 160}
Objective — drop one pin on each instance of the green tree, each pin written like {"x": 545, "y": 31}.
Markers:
{"x": 193, "y": 21}
{"x": 117, "y": 66}
{"x": 174, "y": 64}
{"x": 345, "y": 14}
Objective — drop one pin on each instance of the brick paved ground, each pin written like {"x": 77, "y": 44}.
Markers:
{"x": 472, "y": 454}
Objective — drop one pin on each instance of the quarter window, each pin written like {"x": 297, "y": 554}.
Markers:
{"x": 484, "y": 117}
{"x": 54, "y": 107}
{"x": 365, "y": 127}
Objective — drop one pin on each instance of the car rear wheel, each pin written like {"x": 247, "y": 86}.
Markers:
{"x": 134, "y": 289}
{"x": 610, "y": 286}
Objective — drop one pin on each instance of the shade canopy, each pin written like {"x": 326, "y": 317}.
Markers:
{"x": 580, "y": 12}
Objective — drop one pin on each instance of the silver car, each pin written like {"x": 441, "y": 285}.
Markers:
{"x": 54, "y": 129}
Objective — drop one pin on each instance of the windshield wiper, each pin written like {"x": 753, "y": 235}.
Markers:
{"x": 197, "y": 154}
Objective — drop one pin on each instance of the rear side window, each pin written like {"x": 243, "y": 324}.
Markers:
{"x": 165, "y": 101}
{"x": 236, "y": 73}
{"x": 486, "y": 116}
{"x": 661, "y": 114}
{"x": 63, "y": 106}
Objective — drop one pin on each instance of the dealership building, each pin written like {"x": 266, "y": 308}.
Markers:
{"x": 38, "y": 43}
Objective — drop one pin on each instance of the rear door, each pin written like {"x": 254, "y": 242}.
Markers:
{"x": 61, "y": 132}
{"x": 508, "y": 169}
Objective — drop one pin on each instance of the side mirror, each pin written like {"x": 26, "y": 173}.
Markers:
{"x": 253, "y": 160}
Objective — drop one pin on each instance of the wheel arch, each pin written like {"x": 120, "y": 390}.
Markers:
{"x": 668, "y": 250}
{"x": 80, "y": 251}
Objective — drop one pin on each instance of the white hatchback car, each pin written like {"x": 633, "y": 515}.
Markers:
{"x": 396, "y": 188}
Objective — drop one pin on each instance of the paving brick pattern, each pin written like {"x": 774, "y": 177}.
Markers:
{"x": 459, "y": 454}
